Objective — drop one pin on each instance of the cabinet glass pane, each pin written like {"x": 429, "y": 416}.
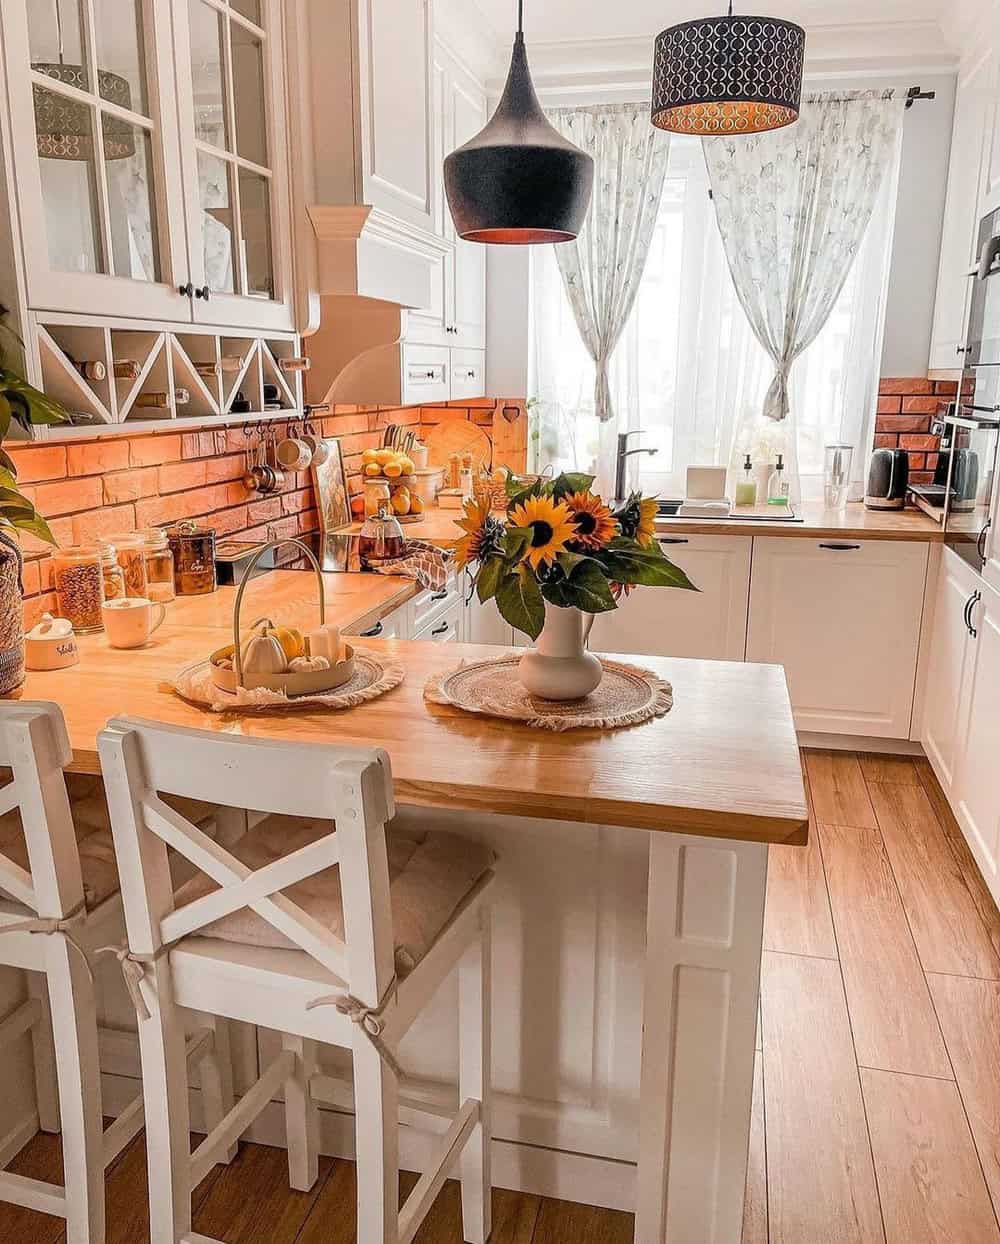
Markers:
{"x": 128, "y": 161}
{"x": 255, "y": 216}
{"x": 69, "y": 182}
{"x": 249, "y": 8}
{"x": 211, "y": 122}
{"x": 215, "y": 196}
{"x": 249, "y": 95}
{"x": 55, "y": 40}
{"x": 121, "y": 58}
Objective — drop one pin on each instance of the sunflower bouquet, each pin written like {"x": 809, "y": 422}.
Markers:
{"x": 560, "y": 544}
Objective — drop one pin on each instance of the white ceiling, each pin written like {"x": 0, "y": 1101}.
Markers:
{"x": 571, "y": 20}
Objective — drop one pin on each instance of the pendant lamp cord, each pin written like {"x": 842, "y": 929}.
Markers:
{"x": 520, "y": 17}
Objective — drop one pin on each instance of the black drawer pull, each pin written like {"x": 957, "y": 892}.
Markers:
{"x": 981, "y": 542}
{"x": 970, "y": 604}
{"x": 440, "y": 630}
{"x": 840, "y": 548}
{"x": 672, "y": 540}
{"x": 374, "y": 633}
{"x": 440, "y": 595}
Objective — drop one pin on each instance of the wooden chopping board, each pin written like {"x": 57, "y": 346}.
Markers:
{"x": 459, "y": 436}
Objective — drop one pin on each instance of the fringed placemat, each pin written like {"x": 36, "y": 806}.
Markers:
{"x": 627, "y": 696}
{"x": 373, "y": 676}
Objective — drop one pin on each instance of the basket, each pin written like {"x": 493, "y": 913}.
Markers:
{"x": 313, "y": 682}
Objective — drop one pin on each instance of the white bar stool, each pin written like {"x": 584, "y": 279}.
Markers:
{"x": 319, "y": 924}
{"x": 59, "y": 901}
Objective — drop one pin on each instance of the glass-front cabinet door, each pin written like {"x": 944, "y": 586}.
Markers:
{"x": 231, "y": 97}
{"x": 96, "y": 162}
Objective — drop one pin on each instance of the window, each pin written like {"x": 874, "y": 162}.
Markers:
{"x": 688, "y": 365}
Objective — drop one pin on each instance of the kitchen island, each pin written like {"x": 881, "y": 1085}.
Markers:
{"x": 629, "y": 909}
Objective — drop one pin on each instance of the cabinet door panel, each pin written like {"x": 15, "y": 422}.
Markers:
{"x": 710, "y": 623}
{"x": 468, "y": 108}
{"x": 843, "y": 618}
{"x": 95, "y": 157}
{"x": 966, "y": 177}
{"x": 978, "y": 804}
{"x": 945, "y": 678}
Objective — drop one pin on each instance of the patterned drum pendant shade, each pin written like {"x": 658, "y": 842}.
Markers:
{"x": 519, "y": 181}
{"x": 728, "y": 75}
{"x": 64, "y": 128}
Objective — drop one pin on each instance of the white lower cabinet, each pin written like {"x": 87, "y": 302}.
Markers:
{"x": 710, "y": 623}
{"x": 843, "y": 617}
{"x": 446, "y": 628}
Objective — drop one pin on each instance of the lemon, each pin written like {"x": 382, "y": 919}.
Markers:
{"x": 392, "y": 470}
{"x": 382, "y": 456}
{"x": 370, "y": 455}
{"x": 407, "y": 465}
{"x": 373, "y": 468}
{"x": 401, "y": 502}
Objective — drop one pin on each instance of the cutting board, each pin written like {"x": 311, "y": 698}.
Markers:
{"x": 459, "y": 436}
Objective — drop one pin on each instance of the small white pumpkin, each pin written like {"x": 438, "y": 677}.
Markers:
{"x": 309, "y": 665}
{"x": 263, "y": 654}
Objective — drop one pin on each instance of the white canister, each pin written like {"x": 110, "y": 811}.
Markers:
{"x": 50, "y": 645}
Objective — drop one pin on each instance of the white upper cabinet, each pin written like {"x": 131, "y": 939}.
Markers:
{"x": 148, "y": 145}
{"x": 971, "y": 146}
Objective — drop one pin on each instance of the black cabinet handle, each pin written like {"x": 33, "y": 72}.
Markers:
{"x": 840, "y": 548}
{"x": 186, "y": 291}
{"x": 440, "y": 630}
{"x": 440, "y": 595}
{"x": 672, "y": 540}
{"x": 970, "y": 604}
{"x": 374, "y": 633}
{"x": 202, "y": 293}
{"x": 981, "y": 542}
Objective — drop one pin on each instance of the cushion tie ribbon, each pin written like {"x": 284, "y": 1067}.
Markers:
{"x": 48, "y": 925}
{"x": 370, "y": 1019}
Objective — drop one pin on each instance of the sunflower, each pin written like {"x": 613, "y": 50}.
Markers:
{"x": 646, "y": 531}
{"x": 551, "y": 528}
{"x": 485, "y": 534}
{"x": 595, "y": 524}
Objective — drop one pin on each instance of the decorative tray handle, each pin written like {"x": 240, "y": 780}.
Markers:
{"x": 247, "y": 573}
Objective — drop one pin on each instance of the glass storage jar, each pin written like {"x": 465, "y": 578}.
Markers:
{"x": 111, "y": 572}
{"x": 79, "y": 583}
{"x": 159, "y": 566}
{"x": 193, "y": 548}
{"x": 132, "y": 559}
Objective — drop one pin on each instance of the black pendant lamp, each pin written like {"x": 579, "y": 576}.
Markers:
{"x": 519, "y": 182}
{"x": 728, "y": 75}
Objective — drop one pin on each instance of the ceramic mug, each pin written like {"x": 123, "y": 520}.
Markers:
{"x": 129, "y": 622}
{"x": 293, "y": 454}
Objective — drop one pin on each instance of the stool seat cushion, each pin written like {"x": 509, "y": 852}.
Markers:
{"x": 94, "y": 842}
{"x": 430, "y": 873}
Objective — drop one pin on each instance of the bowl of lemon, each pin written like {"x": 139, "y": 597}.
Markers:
{"x": 395, "y": 469}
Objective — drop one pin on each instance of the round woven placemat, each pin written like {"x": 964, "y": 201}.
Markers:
{"x": 373, "y": 676}
{"x": 627, "y": 696}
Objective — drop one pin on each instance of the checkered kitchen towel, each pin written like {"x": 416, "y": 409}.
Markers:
{"x": 429, "y": 565}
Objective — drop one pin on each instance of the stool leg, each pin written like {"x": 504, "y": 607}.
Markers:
{"x": 301, "y": 1115}
{"x": 376, "y": 1123}
{"x": 215, "y": 1073}
{"x": 43, "y": 1050}
{"x": 74, "y": 1034}
{"x": 474, "y": 1073}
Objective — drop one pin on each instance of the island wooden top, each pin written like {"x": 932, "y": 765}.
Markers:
{"x": 724, "y": 762}
{"x": 853, "y": 522}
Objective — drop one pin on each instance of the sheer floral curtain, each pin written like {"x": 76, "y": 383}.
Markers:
{"x": 689, "y": 370}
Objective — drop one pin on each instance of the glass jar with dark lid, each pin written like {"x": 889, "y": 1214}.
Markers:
{"x": 193, "y": 548}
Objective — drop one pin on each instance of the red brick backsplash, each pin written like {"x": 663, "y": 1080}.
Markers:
{"x": 89, "y": 490}
{"x": 906, "y": 408}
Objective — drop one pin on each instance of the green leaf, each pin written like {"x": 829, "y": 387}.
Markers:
{"x": 488, "y": 580}
{"x": 624, "y": 561}
{"x": 35, "y": 524}
{"x": 38, "y": 407}
{"x": 516, "y": 542}
{"x": 572, "y": 481}
{"x": 587, "y": 589}
{"x": 7, "y": 463}
{"x": 519, "y": 600}
{"x": 568, "y": 562}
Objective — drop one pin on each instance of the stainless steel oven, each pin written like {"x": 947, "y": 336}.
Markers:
{"x": 983, "y": 344}
{"x": 969, "y": 455}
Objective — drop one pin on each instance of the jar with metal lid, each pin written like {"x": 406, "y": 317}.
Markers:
{"x": 193, "y": 548}
{"x": 159, "y": 565}
{"x": 79, "y": 584}
{"x": 131, "y": 552}
{"x": 111, "y": 572}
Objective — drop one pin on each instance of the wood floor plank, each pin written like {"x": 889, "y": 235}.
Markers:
{"x": 930, "y": 1182}
{"x": 878, "y": 768}
{"x": 797, "y": 912}
{"x": 978, "y": 888}
{"x": 41, "y": 1158}
{"x": 839, "y": 793}
{"x": 942, "y": 809}
{"x": 820, "y": 1177}
{"x": 755, "y": 1204}
{"x": 892, "y": 1015}
{"x": 948, "y": 932}
{"x": 969, "y": 1011}
{"x": 563, "y": 1222}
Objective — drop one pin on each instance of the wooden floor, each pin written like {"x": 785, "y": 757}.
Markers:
{"x": 877, "y": 1103}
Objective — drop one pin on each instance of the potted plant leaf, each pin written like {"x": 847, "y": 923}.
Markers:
{"x": 26, "y": 406}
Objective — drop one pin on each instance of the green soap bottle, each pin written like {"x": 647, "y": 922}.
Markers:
{"x": 746, "y": 485}
{"x": 778, "y": 488}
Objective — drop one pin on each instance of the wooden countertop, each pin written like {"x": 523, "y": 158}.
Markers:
{"x": 853, "y": 522}
{"x": 724, "y": 762}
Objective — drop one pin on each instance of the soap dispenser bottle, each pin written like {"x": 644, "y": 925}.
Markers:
{"x": 746, "y": 485}
{"x": 778, "y": 487}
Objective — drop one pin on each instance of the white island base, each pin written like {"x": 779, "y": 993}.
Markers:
{"x": 589, "y": 920}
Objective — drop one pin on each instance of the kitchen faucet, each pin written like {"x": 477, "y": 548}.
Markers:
{"x": 620, "y": 463}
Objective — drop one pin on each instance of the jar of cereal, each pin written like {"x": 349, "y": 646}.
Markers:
{"x": 131, "y": 548}
{"x": 112, "y": 573}
{"x": 79, "y": 583}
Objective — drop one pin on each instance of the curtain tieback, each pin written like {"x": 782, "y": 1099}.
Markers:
{"x": 63, "y": 925}
{"x": 370, "y": 1019}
